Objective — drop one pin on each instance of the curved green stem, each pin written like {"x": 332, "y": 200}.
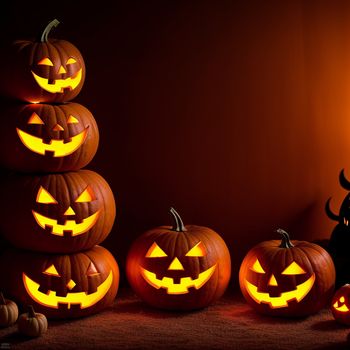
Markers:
{"x": 285, "y": 242}
{"x": 178, "y": 224}
{"x": 44, "y": 36}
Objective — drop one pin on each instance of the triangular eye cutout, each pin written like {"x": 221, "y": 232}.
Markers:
{"x": 155, "y": 251}
{"x": 35, "y": 119}
{"x": 45, "y": 62}
{"x": 91, "y": 271}
{"x": 197, "y": 250}
{"x": 51, "y": 270}
{"x": 257, "y": 267}
{"x": 71, "y": 60}
{"x": 45, "y": 197}
{"x": 293, "y": 269}
{"x": 72, "y": 120}
{"x": 86, "y": 196}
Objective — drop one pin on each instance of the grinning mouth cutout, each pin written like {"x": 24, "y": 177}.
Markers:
{"x": 59, "y": 148}
{"x": 282, "y": 301}
{"x": 69, "y": 226}
{"x": 177, "y": 288}
{"x": 50, "y": 299}
{"x": 59, "y": 85}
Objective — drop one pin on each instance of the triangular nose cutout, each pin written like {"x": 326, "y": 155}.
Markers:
{"x": 69, "y": 211}
{"x": 272, "y": 281}
{"x": 175, "y": 265}
{"x": 62, "y": 70}
{"x": 57, "y": 127}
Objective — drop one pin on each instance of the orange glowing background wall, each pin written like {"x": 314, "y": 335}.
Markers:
{"x": 237, "y": 113}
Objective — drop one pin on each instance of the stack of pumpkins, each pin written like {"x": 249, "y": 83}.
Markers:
{"x": 55, "y": 213}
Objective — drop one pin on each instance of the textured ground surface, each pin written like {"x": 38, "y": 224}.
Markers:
{"x": 229, "y": 324}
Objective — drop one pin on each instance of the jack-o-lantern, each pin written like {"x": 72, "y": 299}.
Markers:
{"x": 341, "y": 305}
{"x": 61, "y": 286}
{"x": 45, "y": 70}
{"x": 287, "y": 278}
{"x": 59, "y": 213}
{"x": 47, "y": 138}
{"x": 179, "y": 268}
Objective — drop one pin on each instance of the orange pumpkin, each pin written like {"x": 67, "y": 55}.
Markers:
{"x": 61, "y": 286}
{"x": 47, "y": 138}
{"x": 179, "y": 268}
{"x": 341, "y": 305}
{"x": 59, "y": 213}
{"x": 287, "y": 278}
{"x": 44, "y": 70}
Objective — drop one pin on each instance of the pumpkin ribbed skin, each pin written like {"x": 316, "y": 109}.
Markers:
{"x": 176, "y": 244}
{"x": 69, "y": 267}
{"x": 274, "y": 259}
{"x": 32, "y": 324}
{"x": 20, "y": 193}
{"x": 22, "y": 59}
{"x": 15, "y": 155}
{"x": 8, "y": 312}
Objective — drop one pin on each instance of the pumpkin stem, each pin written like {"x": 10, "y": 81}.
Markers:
{"x": 47, "y": 30}
{"x": 285, "y": 242}
{"x": 31, "y": 312}
{"x": 2, "y": 299}
{"x": 178, "y": 224}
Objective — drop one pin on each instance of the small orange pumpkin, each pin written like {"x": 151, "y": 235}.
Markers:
{"x": 8, "y": 312}
{"x": 341, "y": 305}
{"x": 32, "y": 324}
{"x": 287, "y": 278}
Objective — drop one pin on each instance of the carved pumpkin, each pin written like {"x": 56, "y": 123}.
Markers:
{"x": 46, "y": 70}
{"x": 61, "y": 286}
{"x": 340, "y": 238}
{"x": 341, "y": 305}
{"x": 59, "y": 213}
{"x": 287, "y": 278}
{"x": 32, "y": 324}
{"x": 180, "y": 268}
{"x": 48, "y": 138}
{"x": 8, "y": 312}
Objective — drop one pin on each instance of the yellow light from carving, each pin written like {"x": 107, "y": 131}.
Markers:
{"x": 177, "y": 288}
{"x": 60, "y": 84}
{"x": 342, "y": 308}
{"x": 45, "y": 197}
{"x": 69, "y": 211}
{"x": 58, "y": 147}
{"x": 282, "y": 301}
{"x": 293, "y": 269}
{"x": 72, "y": 120}
{"x": 71, "y": 284}
{"x": 155, "y": 251}
{"x": 51, "y": 271}
{"x": 45, "y": 62}
{"x": 71, "y": 60}
{"x": 272, "y": 281}
{"x": 175, "y": 265}
{"x": 197, "y": 250}
{"x": 62, "y": 70}
{"x": 35, "y": 119}
{"x": 69, "y": 225}
{"x": 86, "y": 196}
{"x": 256, "y": 267}
{"x": 51, "y": 300}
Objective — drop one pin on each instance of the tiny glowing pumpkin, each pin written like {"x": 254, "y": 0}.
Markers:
{"x": 341, "y": 305}
{"x": 179, "y": 268}
{"x": 46, "y": 70}
{"x": 287, "y": 278}
{"x": 59, "y": 213}
{"x": 48, "y": 138}
{"x": 61, "y": 286}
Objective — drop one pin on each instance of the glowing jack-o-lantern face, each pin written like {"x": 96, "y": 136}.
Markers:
{"x": 340, "y": 305}
{"x": 60, "y": 213}
{"x": 179, "y": 267}
{"x": 45, "y": 70}
{"x": 65, "y": 285}
{"x": 48, "y": 138}
{"x": 69, "y": 226}
{"x": 283, "y": 278}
